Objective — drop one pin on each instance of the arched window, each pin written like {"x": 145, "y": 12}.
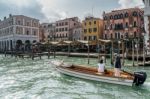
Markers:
{"x": 115, "y": 17}
{"x": 135, "y": 24}
{"x": 111, "y": 17}
{"x": 115, "y": 35}
{"x": 105, "y": 18}
{"x": 121, "y": 16}
{"x": 135, "y": 13}
{"x": 126, "y": 15}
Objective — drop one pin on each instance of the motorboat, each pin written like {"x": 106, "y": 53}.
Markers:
{"x": 91, "y": 73}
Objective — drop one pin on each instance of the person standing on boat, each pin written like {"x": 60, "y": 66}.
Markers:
{"x": 117, "y": 66}
{"x": 101, "y": 66}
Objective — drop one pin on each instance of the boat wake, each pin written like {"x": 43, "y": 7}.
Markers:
{"x": 146, "y": 85}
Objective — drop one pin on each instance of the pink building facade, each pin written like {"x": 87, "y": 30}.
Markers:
{"x": 64, "y": 28}
{"x": 125, "y": 23}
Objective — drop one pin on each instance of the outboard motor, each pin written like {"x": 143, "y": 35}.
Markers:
{"x": 139, "y": 78}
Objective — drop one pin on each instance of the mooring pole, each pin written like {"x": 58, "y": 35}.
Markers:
{"x": 88, "y": 53}
{"x": 133, "y": 51}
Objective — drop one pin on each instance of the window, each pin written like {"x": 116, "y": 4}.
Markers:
{"x": 126, "y": 24}
{"x": 118, "y": 35}
{"x": 134, "y": 24}
{"x": 28, "y": 23}
{"x": 105, "y": 27}
{"x": 95, "y": 29}
{"x": 66, "y": 29}
{"x": 34, "y": 33}
{"x": 90, "y": 23}
{"x": 111, "y": 27}
{"x": 94, "y": 38}
{"x": 62, "y": 29}
{"x": 111, "y": 36}
{"x": 105, "y": 18}
{"x": 105, "y": 36}
{"x": 56, "y": 30}
{"x": 59, "y": 24}
{"x": 121, "y": 36}
{"x": 126, "y": 35}
{"x": 66, "y": 23}
{"x": 85, "y": 23}
{"x": 19, "y": 23}
{"x": 135, "y": 34}
{"x": 59, "y": 29}
{"x": 111, "y": 17}
{"x": 90, "y": 30}
{"x": 135, "y": 13}
{"x": 27, "y": 32}
{"x": 85, "y": 38}
{"x": 121, "y": 16}
{"x": 115, "y": 35}
{"x": 85, "y": 30}
{"x": 90, "y": 38}
{"x": 126, "y": 15}
{"x": 115, "y": 17}
{"x": 94, "y": 22}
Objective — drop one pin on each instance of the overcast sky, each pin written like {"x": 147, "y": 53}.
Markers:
{"x": 52, "y": 10}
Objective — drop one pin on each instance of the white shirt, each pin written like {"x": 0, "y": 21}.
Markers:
{"x": 101, "y": 67}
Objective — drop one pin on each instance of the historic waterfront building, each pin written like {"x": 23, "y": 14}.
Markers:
{"x": 78, "y": 33}
{"x": 47, "y": 32}
{"x": 92, "y": 28}
{"x": 147, "y": 22}
{"x": 18, "y": 29}
{"x": 64, "y": 28}
{"x": 124, "y": 23}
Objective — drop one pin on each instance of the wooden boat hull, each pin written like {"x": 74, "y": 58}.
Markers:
{"x": 91, "y": 73}
{"x": 119, "y": 81}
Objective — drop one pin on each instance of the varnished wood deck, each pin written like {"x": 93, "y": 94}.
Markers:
{"x": 93, "y": 71}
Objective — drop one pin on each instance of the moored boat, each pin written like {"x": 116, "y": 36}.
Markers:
{"x": 91, "y": 73}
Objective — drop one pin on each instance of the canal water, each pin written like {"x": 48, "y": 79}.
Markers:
{"x": 37, "y": 79}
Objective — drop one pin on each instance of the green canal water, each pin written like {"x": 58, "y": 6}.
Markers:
{"x": 37, "y": 79}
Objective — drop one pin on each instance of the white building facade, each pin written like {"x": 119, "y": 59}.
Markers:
{"x": 147, "y": 23}
{"x": 78, "y": 33}
{"x": 18, "y": 28}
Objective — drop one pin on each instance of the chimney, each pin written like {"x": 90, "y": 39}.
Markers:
{"x": 10, "y": 15}
{"x": 4, "y": 18}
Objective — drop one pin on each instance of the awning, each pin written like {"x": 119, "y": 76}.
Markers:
{"x": 104, "y": 41}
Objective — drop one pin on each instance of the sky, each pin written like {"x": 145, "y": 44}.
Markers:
{"x": 52, "y": 10}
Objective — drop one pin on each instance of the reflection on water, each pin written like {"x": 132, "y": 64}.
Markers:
{"x": 25, "y": 78}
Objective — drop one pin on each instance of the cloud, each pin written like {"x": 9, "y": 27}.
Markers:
{"x": 130, "y": 3}
{"x": 29, "y": 8}
{"x": 51, "y": 11}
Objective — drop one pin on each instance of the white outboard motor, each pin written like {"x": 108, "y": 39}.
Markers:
{"x": 139, "y": 78}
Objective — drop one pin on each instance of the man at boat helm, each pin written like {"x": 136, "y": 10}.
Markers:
{"x": 117, "y": 68}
